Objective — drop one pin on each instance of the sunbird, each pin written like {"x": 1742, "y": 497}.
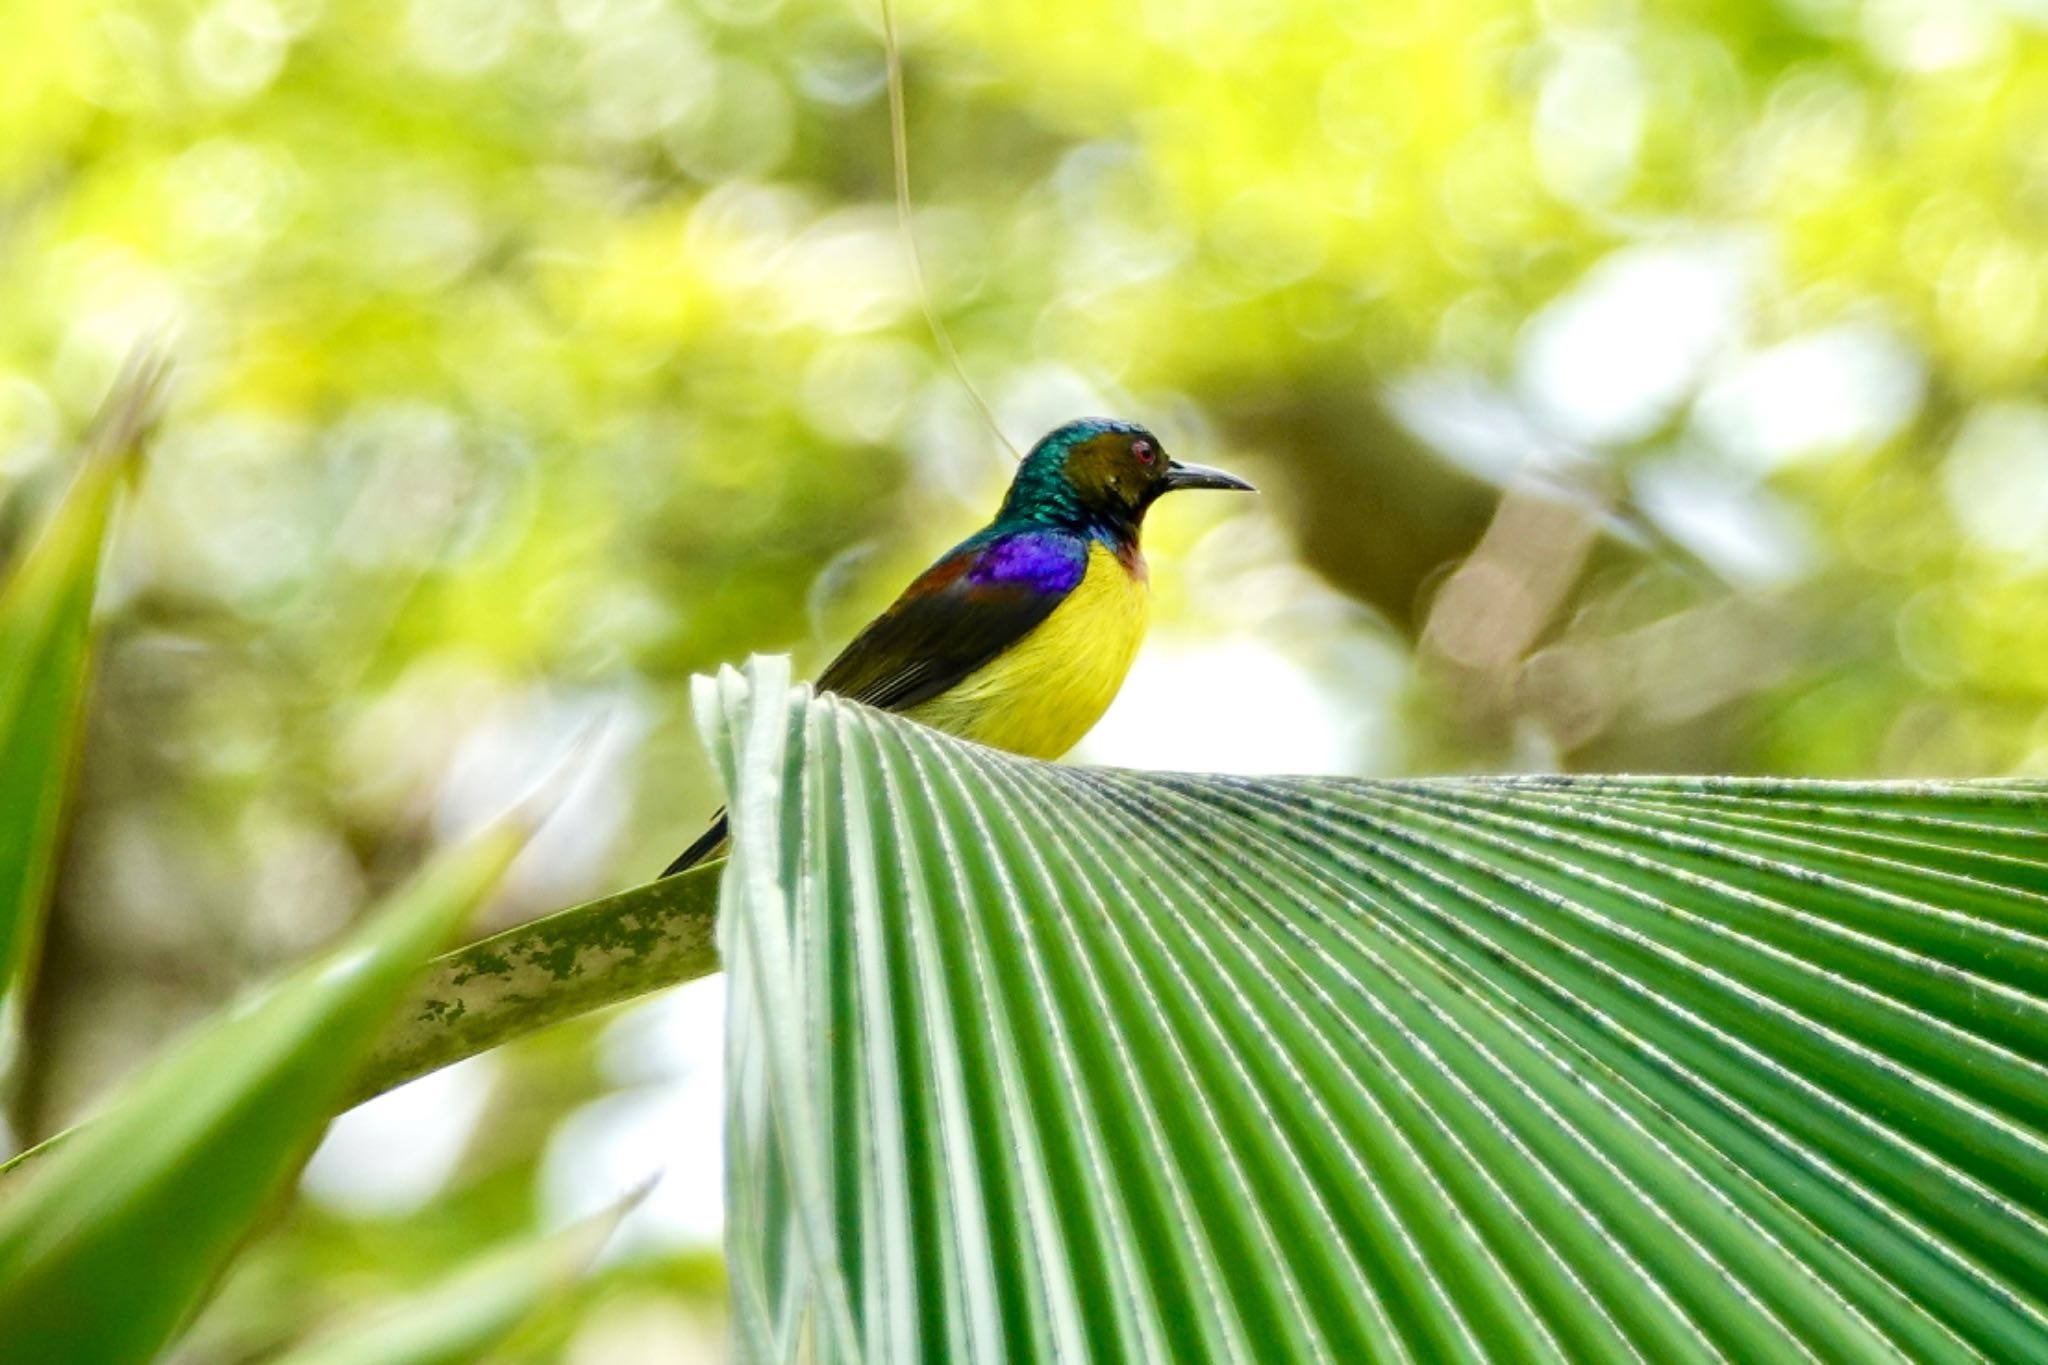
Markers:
{"x": 1020, "y": 635}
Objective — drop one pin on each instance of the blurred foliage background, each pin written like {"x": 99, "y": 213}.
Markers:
{"x": 1634, "y": 386}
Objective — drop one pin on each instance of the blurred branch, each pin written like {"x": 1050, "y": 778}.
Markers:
{"x": 548, "y": 970}
{"x": 1388, "y": 518}
{"x": 1492, "y": 607}
{"x": 1356, "y": 468}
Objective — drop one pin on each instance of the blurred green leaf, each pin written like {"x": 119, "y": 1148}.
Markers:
{"x": 45, "y": 649}
{"x": 1030, "y": 1060}
{"x": 464, "y": 1316}
{"x": 548, "y": 970}
{"x": 112, "y": 1238}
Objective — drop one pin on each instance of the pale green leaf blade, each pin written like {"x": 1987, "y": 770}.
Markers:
{"x": 144, "y": 1204}
{"x": 462, "y": 1318}
{"x": 1033, "y": 1060}
{"x": 45, "y": 649}
{"x": 45, "y": 612}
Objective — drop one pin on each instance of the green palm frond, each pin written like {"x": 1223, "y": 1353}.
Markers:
{"x": 1032, "y": 1061}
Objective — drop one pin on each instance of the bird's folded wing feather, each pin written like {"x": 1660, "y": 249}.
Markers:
{"x": 980, "y": 599}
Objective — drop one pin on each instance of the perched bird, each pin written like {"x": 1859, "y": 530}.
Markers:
{"x": 1020, "y": 635}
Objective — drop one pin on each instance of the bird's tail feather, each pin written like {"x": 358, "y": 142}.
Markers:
{"x": 708, "y": 844}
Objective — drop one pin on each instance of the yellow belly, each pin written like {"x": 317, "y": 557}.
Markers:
{"x": 1039, "y": 696}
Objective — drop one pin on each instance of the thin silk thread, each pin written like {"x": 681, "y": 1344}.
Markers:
{"x": 899, "y": 146}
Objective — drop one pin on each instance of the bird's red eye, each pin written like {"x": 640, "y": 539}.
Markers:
{"x": 1144, "y": 450}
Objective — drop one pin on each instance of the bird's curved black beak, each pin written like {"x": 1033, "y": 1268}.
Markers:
{"x": 1180, "y": 475}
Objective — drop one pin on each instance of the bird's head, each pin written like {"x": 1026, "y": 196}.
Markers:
{"x": 1099, "y": 473}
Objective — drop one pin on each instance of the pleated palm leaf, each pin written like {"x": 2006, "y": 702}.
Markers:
{"x": 1036, "y": 1061}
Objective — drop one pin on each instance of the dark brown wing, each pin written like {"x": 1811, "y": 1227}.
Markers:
{"x": 963, "y": 611}
{"x": 958, "y": 615}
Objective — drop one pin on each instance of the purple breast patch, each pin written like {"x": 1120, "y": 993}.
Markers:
{"x": 1047, "y": 563}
